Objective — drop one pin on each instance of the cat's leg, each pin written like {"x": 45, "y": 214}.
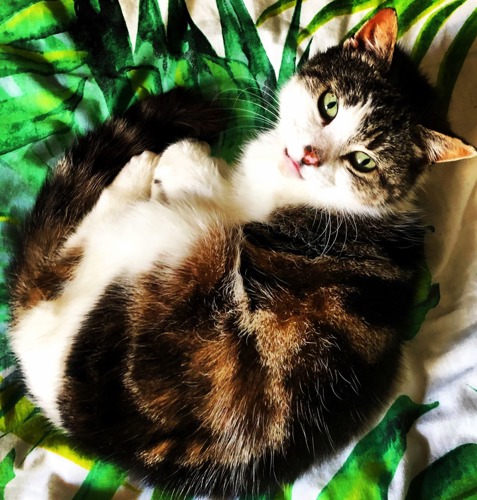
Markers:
{"x": 186, "y": 172}
{"x": 132, "y": 184}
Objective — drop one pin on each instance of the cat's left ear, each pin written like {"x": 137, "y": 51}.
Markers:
{"x": 441, "y": 148}
{"x": 377, "y": 38}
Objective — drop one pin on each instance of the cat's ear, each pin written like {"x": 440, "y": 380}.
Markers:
{"x": 377, "y": 38}
{"x": 441, "y": 148}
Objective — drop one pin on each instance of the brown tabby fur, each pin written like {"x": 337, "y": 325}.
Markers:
{"x": 245, "y": 377}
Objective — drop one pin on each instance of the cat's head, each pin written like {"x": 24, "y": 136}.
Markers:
{"x": 356, "y": 128}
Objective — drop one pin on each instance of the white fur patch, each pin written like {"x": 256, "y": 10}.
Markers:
{"x": 123, "y": 236}
{"x": 187, "y": 173}
{"x": 264, "y": 182}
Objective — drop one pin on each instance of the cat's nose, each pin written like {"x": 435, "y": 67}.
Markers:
{"x": 311, "y": 156}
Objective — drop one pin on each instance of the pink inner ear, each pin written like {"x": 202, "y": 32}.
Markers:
{"x": 443, "y": 148}
{"x": 378, "y": 36}
{"x": 455, "y": 149}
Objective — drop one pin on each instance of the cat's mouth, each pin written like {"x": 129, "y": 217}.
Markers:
{"x": 292, "y": 167}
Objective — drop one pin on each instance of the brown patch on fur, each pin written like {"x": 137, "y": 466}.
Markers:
{"x": 198, "y": 452}
{"x": 161, "y": 316}
{"x": 157, "y": 453}
{"x": 46, "y": 281}
{"x": 246, "y": 407}
{"x": 242, "y": 391}
{"x": 307, "y": 294}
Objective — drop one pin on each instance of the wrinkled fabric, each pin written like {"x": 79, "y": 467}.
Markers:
{"x": 66, "y": 66}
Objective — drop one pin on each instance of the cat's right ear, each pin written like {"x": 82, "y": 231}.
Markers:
{"x": 443, "y": 148}
{"x": 377, "y": 37}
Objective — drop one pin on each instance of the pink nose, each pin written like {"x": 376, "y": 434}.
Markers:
{"x": 310, "y": 156}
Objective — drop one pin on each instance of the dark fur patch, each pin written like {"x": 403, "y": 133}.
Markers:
{"x": 219, "y": 382}
{"x": 43, "y": 279}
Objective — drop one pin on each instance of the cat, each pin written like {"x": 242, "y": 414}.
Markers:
{"x": 217, "y": 330}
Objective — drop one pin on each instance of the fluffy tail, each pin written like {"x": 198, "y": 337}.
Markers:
{"x": 90, "y": 166}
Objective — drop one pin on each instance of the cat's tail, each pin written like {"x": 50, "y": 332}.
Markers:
{"x": 91, "y": 165}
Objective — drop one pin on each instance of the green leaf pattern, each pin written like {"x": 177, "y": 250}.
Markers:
{"x": 67, "y": 65}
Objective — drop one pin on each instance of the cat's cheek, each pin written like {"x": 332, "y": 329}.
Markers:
{"x": 332, "y": 189}
{"x": 345, "y": 195}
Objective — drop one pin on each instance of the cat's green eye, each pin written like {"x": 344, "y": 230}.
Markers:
{"x": 362, "y": 162}
{"x": 328, "y": 105}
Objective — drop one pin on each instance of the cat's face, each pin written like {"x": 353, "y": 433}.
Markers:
{"x": 357, "y": 148}
{"x": 351, "y": 135}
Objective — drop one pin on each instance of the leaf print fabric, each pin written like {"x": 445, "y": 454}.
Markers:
{"x": 67, "y": 65}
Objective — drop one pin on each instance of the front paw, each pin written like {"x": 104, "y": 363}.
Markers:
{"x": 183, "y": 171}
{"x": 133, "y": 182}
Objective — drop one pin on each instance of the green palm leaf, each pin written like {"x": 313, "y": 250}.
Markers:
{"x": 7, "y": 9}
{"x": 305, "y": 56}
{"x": 368, "y": 471}
{"x": 100, "y": 31}
{"x": 101, "y": 483}
{"x": 274, "y": 10}
{"x": 455, "y": 56}
{"x": 145, "y": 77}
{"x": 6, "y": 356}
{"x": 332, "y": 10}
{"x": 37, "y": 116}
{"x": 7, "y": 472}
{"x": 288, "y": 64}
{"x": 43, "y": 62}
{"x": 408, "y": 13}
{"x": 430, "y": 29}
{"x": 34, "y": 19}
{"x": 452, "y": 476}
{"x": 242, "y": 42}
{"x": 427, "y": 296}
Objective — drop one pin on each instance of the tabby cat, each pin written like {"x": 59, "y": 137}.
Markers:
{"x": 218, "y": 330}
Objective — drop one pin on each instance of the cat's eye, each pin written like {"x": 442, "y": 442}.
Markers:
{"x": 328, "y": 105}
{"x": 362, "y": 162}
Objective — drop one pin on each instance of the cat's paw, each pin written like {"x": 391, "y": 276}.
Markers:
{"x": 133, "y": 183}
{"x": 185, "y": 170}
{"x": 134, "y": 180}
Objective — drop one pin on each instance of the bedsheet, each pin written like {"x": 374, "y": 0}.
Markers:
{"x": 67, "y": 65}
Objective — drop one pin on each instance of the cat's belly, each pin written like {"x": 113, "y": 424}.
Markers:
{"x": 115, "y": 246}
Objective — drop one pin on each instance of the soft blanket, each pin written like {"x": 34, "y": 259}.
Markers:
{"x": 66, "y": 65}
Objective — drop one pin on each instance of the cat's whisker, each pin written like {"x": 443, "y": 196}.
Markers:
{"x": 349, "y": 382}
{"x": 270, "y": 93}
{"x": 256, "y": 100}
{"x": 251, "y": 113}
{"x": 267, "y": 109}
{"x": 353, "y": 221}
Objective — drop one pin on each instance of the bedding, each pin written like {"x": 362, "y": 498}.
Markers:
{"x": 67, "y": 65}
